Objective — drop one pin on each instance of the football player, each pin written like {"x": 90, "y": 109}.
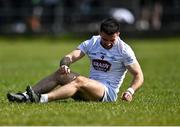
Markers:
{"x": 110, "y": 59}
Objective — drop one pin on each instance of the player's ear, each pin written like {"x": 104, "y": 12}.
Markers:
{"x": 118, "y": 33}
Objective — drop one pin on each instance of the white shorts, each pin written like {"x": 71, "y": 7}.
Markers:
{"x": 109, "y": 94}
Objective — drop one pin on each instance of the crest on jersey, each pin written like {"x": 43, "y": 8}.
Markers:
{"x": 102, "y": 57}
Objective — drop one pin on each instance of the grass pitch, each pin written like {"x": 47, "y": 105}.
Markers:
{"x": 24, "y": 61}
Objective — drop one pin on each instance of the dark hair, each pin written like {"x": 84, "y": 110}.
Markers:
{"x": 109, "y": 26}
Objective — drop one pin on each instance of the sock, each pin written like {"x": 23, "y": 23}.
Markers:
{"x": 25, "y": 94}
{"x": 44, "y": 98}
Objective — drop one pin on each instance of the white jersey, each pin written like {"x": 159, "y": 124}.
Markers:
{"x": 108, "y": 65}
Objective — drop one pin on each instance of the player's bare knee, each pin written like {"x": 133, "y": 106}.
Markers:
{"x": 81, "y": 81}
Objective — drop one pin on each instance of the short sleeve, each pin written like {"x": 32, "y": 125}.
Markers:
{"x": 86, "y": 46}
{"x": 128, "y": 56}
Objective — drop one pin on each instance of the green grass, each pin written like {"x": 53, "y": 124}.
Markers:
{"x": 24, "y": 61}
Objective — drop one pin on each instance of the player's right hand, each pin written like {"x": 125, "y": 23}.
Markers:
{"x": 64, "y": 69}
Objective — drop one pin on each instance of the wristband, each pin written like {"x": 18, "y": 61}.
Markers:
{"x": 131, "y": 90}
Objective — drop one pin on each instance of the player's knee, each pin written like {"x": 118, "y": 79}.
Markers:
{"x": 63, "y": 78}
{"x": 81, "y": 82}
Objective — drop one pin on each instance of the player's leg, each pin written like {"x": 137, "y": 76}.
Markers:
{"x": 90, "y": 90}
{"x": 52, "y": 81}
{"x": 43, "y": 86}
{"x": 46, "y": 84}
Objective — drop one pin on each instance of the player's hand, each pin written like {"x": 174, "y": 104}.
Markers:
{"x": 64, "y": 69}
{"x": 127, "y": 96}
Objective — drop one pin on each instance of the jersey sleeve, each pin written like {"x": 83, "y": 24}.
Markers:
{"x": 86, "y": 45}
{"x": 129, "y": 56}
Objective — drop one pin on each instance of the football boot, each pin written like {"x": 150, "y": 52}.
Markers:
{"x": 33, "y": 97}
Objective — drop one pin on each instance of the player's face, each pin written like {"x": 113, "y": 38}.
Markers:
{"x": 107, "y": 41}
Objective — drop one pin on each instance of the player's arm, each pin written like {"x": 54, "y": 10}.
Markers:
{"x": 136, "y": 83}
{"x": 70, "y": 58}
{"x": 137, "y": 74}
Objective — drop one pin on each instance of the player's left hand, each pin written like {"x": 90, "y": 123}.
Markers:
{"x": 64, "y": 69}
{"x": 127, "y": 96}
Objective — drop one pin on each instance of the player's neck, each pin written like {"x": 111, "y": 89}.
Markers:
{"x": 106, "y": 46}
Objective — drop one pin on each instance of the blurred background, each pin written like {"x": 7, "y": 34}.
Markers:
{"x": 57, "y": 17}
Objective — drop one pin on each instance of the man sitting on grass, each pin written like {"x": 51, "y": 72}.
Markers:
{"x": 110, "y": 58}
